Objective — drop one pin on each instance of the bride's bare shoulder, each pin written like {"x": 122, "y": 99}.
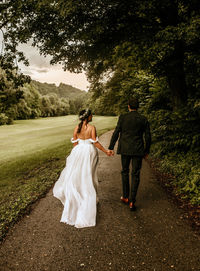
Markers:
{"x": 92, "y": 127}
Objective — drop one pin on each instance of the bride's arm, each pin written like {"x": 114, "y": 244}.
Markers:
{"x": 97, "y": 144}
{"x": 75, "y": 136}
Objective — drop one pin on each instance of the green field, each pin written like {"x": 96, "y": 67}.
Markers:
{"x": 32, "y": 154}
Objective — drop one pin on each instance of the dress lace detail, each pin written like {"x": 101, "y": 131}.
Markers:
{"x": 77, "y": 185}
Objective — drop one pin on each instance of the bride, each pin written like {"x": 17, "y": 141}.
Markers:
{"x": 77, "y": 185}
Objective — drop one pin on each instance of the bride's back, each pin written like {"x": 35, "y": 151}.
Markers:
{"x": 86, "y": 131}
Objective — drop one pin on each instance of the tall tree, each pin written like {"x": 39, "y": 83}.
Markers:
{"x": 11, "y": 82}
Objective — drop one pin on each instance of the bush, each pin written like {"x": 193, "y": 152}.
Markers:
{"x": 176, "y": 142}
{"x": 3, "y": 119}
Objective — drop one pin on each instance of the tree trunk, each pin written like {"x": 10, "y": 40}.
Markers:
{"x": 176, "y": 77}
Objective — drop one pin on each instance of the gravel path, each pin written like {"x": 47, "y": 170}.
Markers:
{"x": 152, "y": 238}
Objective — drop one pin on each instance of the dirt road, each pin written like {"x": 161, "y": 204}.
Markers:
{"x": 153, "y": 238}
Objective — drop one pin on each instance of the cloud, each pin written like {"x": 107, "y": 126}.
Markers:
{"x": 41, "y": 70}
{"x": 34, "y": 57}
{"x": 31, "y": 69}
{"x": 27, "y": 72}
{"x": 56, "y": 75}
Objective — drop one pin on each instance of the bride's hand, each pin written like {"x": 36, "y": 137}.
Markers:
{"x": 109, "y": 153}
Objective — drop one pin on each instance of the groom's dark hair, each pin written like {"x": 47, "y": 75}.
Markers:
{"x": 133, "y": 103}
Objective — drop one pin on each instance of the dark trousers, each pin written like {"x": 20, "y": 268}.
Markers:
{"x": 135, "y": 176}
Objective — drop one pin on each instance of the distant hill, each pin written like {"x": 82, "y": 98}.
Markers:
{"x": 63, "y": 90}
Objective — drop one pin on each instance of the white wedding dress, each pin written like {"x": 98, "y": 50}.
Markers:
{"x": 77, "y": 185}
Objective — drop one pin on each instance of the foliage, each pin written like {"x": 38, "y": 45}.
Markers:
{"x": 11, "y": 93}
{"x": 3, "y": 119}
{"x": 185, "y": 168}
{"x": 35, "y": 99}
{"x": 176, "y": 140}
{"x": 161, "y": 37}
{"x": 62, "y": 91}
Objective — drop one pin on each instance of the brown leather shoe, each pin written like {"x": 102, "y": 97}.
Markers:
{"x": 132, "y": 206}
{"x": 124, "y": 200}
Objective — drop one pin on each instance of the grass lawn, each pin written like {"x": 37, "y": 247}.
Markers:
{"x": 32, "y": 154}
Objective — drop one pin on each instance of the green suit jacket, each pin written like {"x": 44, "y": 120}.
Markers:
{"x": 134, "y": 135}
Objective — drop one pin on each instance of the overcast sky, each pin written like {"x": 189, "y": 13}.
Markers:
{"x": 41, "y": 70}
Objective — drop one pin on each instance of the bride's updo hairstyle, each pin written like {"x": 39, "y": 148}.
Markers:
{"x": 83, "y": 115}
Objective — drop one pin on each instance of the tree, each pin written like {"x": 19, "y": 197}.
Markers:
{"x": 11, "y": 92}
{"x": 84, "y": 34}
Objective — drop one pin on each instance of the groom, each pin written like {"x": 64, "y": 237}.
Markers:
{"x": 130, "y": 129}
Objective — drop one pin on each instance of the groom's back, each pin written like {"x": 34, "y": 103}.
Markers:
{"x": 132, "y": 128}
{"x": 133, "y": 124}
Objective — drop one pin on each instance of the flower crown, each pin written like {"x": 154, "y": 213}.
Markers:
{"x": 84, "y": 115}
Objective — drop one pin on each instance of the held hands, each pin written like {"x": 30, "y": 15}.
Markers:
{"x": 110, "y": 153}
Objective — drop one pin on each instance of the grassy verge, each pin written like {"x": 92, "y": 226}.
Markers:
{"x": 179, "y": 174}
{"x": 184, "y": 171}
{"x": 32, "y": 156}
